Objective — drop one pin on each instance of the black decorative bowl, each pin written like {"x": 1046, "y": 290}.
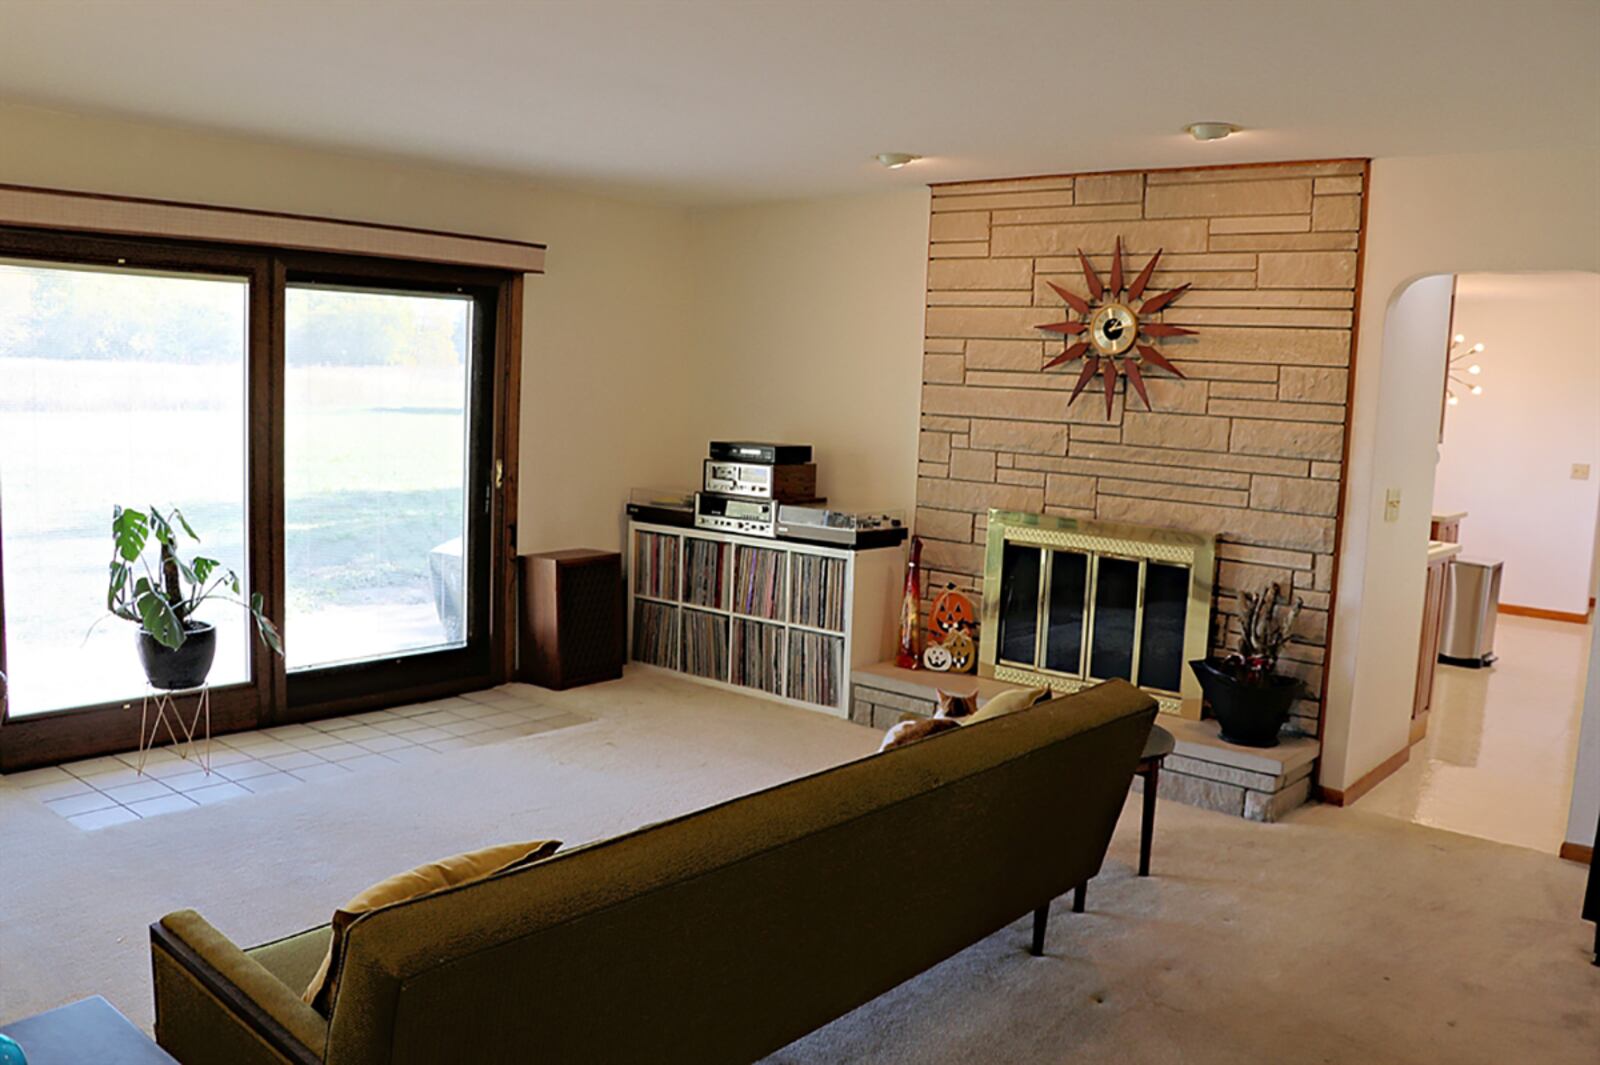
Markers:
{"x": 1250, "y": 713}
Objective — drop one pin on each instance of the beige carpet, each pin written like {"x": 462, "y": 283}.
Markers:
{"x": 1333, "y": 937}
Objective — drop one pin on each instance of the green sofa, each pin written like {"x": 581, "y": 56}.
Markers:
{"x": 719, "y": 936}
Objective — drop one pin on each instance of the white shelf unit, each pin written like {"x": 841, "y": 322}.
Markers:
{"x": 784, "y": 620}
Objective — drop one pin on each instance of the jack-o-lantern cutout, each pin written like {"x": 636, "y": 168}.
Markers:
{"x": 937, "y": 658}
{"x": 952, "y": 612}
{"x": 963, "y": 652}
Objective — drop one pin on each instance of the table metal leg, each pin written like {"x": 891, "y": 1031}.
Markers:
{"x": 1147, "y": 826}
{"x": 1077, "y": 896}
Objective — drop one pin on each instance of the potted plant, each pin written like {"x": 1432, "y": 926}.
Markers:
{"x": 1246, "y": 694}
{"x": 176, "y": 649}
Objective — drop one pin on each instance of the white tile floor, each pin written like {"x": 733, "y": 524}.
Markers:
{"x": 106, "y": 791}
{"x": 1497, "y": 762}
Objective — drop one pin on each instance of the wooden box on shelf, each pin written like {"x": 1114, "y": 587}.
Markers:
{"x": 572, "y": 625}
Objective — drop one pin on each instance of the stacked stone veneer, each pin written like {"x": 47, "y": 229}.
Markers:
{"x": 1248, "y": 446}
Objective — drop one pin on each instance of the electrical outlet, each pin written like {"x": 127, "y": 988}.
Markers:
{"x": 1391, "y": 505}
{"x": 1580, "y": 471}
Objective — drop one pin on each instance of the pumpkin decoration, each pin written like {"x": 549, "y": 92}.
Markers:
{"x": 963, "y": 653}
{"x": 937, "y": 658}
{"x": 952, "y": 612}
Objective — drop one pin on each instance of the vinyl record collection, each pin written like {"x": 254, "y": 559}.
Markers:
{"x": 753, "y": 581}
{"x": 704, "y": 574}
{"x": 818, "y": 592}
{"x": 758, "y": 582}
{"x": 655, "y": 631}
{"x": 814, "y": 667}
{"x": 705, "y": 644}
{"x": 758, "y": 655}
{"x": 655, "y": 565}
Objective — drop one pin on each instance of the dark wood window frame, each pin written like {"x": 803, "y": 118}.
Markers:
{"x": 272, "y": 696}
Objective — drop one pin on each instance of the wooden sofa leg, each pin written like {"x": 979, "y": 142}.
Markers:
{"x": 1077, "y": 897}
{"x": 1041, "y": 917}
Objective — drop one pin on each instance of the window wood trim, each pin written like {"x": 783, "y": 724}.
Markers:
{"x": 82, "y": 732}
{"x": 131, "y": 216}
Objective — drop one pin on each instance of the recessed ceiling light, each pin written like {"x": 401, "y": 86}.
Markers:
{"x": 896, "y": 160}
{"x": 1210, "y": 131}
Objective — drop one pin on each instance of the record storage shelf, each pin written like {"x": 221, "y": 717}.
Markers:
{"x": 784, "y": 620}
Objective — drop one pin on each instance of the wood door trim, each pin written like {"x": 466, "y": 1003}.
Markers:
{"x": 1577, "y": 852}
{"x": 508, "y": 446}
{"x": 1540, "y": 612}
{"x": 1346, "y": 796}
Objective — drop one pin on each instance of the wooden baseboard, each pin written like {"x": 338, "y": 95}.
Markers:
{"x": 1577, "y": 852}
{"x": 1346, "y": 796}
{"x": 1419, "y": 726}
{"x": 1547, "y": 615}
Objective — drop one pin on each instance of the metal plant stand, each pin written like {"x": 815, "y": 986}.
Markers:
{"x": 164, "y": 703}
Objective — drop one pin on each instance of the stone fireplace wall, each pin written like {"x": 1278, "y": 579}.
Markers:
{"x": 1249, "y": 446}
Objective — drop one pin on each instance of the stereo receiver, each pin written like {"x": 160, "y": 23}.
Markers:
{"x": 787, "y": 484}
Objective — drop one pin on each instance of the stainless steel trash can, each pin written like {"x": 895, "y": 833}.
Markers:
{"x": 1471, "y": 604}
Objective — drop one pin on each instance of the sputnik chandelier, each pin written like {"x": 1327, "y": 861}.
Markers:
{"x": 1459, "y": 376}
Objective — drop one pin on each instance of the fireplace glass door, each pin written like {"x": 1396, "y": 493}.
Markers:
{"x": 1093, "y": 616}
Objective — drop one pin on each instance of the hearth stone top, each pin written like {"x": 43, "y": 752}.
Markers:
{"x": 925, "y": 683}
{"x": 1203, "y": 740}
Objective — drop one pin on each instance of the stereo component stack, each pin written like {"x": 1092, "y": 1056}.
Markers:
{"x": 744, "y": 482}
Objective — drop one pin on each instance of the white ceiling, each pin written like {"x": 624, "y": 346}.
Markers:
{"x": 711, "y": 100}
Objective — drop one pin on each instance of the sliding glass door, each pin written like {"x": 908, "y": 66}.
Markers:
{"x": 383, "y": 448}
{"x": 331, "y": 428}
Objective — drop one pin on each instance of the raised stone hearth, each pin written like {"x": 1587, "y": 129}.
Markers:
{"x": 1203, "y": 770}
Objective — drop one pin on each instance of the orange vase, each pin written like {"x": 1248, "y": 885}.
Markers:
{"x": 909, "y": 656}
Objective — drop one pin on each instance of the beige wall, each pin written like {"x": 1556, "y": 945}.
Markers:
{"x": 807, "y": 327}
{"x": 1508, "y": 452}
{"x": 1500, "y": 212}
{"x": 605, "y": 328}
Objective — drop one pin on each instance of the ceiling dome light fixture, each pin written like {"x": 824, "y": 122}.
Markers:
{"x": 1210, "y": 131}
{"x": 896, "y": 160}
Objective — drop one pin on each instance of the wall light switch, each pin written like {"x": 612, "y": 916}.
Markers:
{"x": 1580, "y": 471}
{"x": 1391, "y": 505}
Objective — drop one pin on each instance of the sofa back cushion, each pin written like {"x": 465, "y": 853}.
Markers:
{"x": 725, "y": 934}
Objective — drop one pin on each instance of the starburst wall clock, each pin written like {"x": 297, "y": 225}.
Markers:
{"x": 1114, "y": 325}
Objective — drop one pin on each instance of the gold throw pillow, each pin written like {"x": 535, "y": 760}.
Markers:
{"x": 414, "y": 884}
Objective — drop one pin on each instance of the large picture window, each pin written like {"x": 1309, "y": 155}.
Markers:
{"x": 329, "y": 425}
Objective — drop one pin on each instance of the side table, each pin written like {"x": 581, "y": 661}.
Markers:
{"x": 1156, "y": 748}
{"x": 89, "y": 1030}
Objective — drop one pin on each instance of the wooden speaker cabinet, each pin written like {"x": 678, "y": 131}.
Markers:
{"x": 572, "y": 629}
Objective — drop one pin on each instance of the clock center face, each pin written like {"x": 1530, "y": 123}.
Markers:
{"x": 1113, "y": 329}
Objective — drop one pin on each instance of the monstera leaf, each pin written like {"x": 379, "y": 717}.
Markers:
{"x": 130, "y": 529}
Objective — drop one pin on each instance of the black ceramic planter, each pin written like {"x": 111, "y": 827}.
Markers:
{"x": 1250, "y": 714}
{"x": 187, "y": 666}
